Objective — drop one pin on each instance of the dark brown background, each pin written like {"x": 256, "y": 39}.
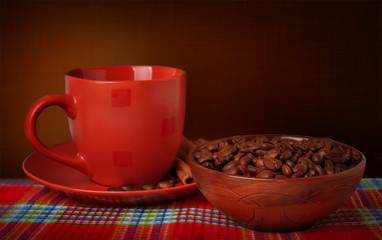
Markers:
{"x": 311, "y": 68}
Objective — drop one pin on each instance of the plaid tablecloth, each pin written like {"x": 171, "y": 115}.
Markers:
{"x": 31, "y": 211}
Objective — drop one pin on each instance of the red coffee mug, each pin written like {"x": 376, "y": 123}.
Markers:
{"x": 126, "y": 122}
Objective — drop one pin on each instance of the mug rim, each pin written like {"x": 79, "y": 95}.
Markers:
{"x": 179, "y": 74}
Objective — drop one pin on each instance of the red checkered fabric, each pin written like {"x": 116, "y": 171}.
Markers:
{"x": 31, "y": 211}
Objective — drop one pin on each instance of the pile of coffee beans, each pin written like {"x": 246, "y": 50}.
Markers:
{"x": 168, "y": 182}
{"x": 277, "y": 157}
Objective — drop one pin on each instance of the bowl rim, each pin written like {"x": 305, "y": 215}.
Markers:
{"x": 192, "y": 161}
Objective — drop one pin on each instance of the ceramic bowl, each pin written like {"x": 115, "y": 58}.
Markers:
{"x": 276, "y": 205}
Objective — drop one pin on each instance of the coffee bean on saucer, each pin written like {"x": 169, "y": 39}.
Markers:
{"x": 170, "y": 179}
{"x": 114, "y": 189}
{"x": 126, "y": 187}
{"x": 148, "y": 187}
{"x": 164, "y": 184}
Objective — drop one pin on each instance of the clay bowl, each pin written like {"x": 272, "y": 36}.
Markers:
{"x": 276, "y": 205}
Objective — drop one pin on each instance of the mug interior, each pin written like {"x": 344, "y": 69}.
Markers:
{"x": 126, "y": 73}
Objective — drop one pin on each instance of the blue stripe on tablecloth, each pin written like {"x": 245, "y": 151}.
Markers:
{"x": 161, "y": 217}
{"x": 370, "y": 183}
{"x": 21, "y": 182}
{"x": 40, "y": 213}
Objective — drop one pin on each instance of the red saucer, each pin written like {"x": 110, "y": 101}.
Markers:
{"x": 75, "y": 184}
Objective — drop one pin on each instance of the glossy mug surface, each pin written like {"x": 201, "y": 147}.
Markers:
{"x": 126, "y": 122}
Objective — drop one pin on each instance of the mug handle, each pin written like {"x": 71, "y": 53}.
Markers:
{"x": 68, "y": 103}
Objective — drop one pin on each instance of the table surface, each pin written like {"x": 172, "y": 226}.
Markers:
{"x": 31, "y": 211}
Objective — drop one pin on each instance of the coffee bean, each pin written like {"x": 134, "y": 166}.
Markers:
{"x": 311, "y": 173}
{"x": 318, "y": 157}
{"x": 238, "y": 156}
{"x": 347, "y": 154}
{"x": 320, "y": 171}
{"x": 209, "y": 165}
{"x": 222, "y": 144}
{"x": 198, "y": 155}
{"x": 252, "y": 170}
{"x": 305, "y": 161}
{"x": 314, "y": 145}
{"x": 297, "y": 145}
{"x": 204, "y": 155}
{"x": 328, "y": 163}
{"x": 340, "y": 167}
{"x": 244, "y": 160}
{"x": 236, "y": 139}
{"x": 227, "y": 150}
{"x": 126, "y": 187}
{"x": 265, "y": 174}
{"x": 220, "y": 160}
{"x": 148, "y": 187}
{"x": 114, "y": 189}
{"x": 286, "y": 146}
{"x": 272, "y": 164}
{"x": 341, "y": 159}
{"x": 286, "y": 170}
{"x": 260, "y": 162}
{"x": 285, "y": 155}
{"x": 275, "y": 141}
{"x": 212, "y": 146}
{"x": 266, "y": 146}
{"x": 230, "y": 164}
{"x": 233, "y": 171}
{"x": 300, "y": 167}
{"x": 170, "y": 179}
{"x": 251, "y": 156}
{"x": 355, "y": 154}
{"x": 296, "y": 155}
{"x": 308, "y": 175}
{"x": 164, "y": 184}
{"x": 329, "y": 170}
{"x": 261, "y": 152}
{"x": 297, "y": 174}
{"x": 280, "y": 176}
{"x": 254, "y": 145}
{"x": 243, "y": 169}
{"x": 254, "y": 160}
{"x": 290, "y": 164}
{"x": 272, "y": 153}
{"x": 336, "y": 152}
